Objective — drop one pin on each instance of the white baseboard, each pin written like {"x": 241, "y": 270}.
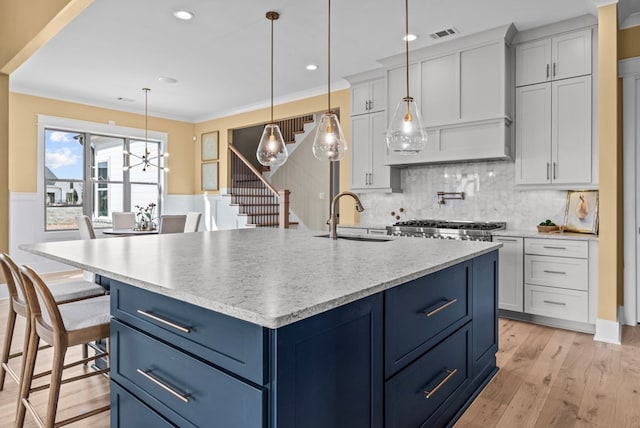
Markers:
{"x": 608, "y": 331}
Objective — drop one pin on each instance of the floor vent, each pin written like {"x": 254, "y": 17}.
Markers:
{"x": 443, "y": 33}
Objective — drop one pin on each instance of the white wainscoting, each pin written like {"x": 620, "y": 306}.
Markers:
{"x": 26, "y": 223}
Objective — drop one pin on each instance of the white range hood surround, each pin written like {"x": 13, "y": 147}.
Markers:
{"x": 464, "y": 91}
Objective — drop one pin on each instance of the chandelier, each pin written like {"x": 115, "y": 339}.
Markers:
{"x": 146, "y": 160}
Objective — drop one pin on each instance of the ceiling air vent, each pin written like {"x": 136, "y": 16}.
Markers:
{"x": 443, "y": 33}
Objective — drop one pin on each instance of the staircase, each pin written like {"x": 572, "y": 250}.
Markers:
{"x": 257, "y": 201}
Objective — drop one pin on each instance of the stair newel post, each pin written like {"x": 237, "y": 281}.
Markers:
{"x": 284, "y": 208}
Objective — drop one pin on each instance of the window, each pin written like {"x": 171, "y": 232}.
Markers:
{"x": 85, "y": 173}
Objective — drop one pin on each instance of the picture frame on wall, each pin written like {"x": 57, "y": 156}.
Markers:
{"x": 581, "y": 214}
{"x": 210, "y": 146}
{"x": 210, "y": 176}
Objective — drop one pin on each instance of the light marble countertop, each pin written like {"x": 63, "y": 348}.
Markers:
{"x": 555, "y": 235}
{"x": 270, "y": 277}
{"x": 365, "y": 226}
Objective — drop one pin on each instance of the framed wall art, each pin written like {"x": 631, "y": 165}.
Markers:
{"x": 210, "y": 176}
{"x": 581, "y": 214}
{"x": 210, "y": 146}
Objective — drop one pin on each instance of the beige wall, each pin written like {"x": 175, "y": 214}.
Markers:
{"x": 339, "y": 99}
{"x": 23, "y": 111}
{"x": 610, "y": 282}
{"x": 629, "y": 43}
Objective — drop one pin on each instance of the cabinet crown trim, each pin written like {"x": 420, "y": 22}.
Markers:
{"x": 557, "y": 28}
{"x": 505, "y": 32}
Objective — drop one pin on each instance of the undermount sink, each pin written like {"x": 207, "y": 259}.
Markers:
{"x": 359, "y": 238}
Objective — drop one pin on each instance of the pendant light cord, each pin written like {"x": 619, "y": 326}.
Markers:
{"x": 272, "y": 72}
{"x": 329, "y": 58}
{"x": 146, "y": 120}
{"x": 406, "y": 40}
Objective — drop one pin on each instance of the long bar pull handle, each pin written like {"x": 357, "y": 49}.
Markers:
{"x": 555, "y": 170}
{"x": 439, "y": 308}
{"x": 554, "y": 69}
{"x": 146, "y": 374}
{"x": 555, "y": 303}
{"x": 506, "y": 240}
{"x": 429, "y": 394}
{"x": 547, "y": 71}
{"x": 547, "y": 170}
{"x": 550, "y": 247}
{"x": 165, "y": 322}
{"x": 555, "y": 271}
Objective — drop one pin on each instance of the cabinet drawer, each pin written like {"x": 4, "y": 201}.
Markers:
{"x": 129, "y": 412}
{"x": 556, "y": 302}
{"x": 228, "y": 342}
{"x": 556, "y": 247}
{"x": 415, "y": 394}
{"x": 420, "y": 313}
{"x": 172, "y": 382}
{"x": 562, "y": 272}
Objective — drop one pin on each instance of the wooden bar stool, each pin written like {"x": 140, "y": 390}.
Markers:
{"x": 62, "y": 293}
{"x": 60, "y": 326}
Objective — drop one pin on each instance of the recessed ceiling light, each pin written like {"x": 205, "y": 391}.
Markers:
{"x": 165, "y": 79}
{"x": 409, "y": 37}
{"x": 311, "y": 67}
{"x": 185, "y": 15}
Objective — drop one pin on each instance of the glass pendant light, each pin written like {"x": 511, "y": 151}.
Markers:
{"x": 329, "y": 143}
{"x": 406, "y": 134}
{"x": 272, "y": 150}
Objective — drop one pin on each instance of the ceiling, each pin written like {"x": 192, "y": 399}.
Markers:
{"x": 221, "y": 58}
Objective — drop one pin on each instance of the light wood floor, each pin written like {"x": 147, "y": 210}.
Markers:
{"x": 547, "y": 378}
{"x": 557, "y": 378}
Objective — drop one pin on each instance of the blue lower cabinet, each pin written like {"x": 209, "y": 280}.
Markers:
{"x": 129, "y": 412}
{"x": 180, "y": 387}
{"x": 485, "y": 313}
{"x": 329, "y": 369}
{"x": 439, "y": 335}
{"x": 418, "y": 394}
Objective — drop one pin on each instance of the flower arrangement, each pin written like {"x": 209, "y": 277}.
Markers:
{"x": 144, "y": 215}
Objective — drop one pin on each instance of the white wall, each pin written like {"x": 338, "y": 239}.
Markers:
{"x": 489, "y": 196}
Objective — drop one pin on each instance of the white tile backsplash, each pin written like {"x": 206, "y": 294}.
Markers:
{"x": 489, "y": 196}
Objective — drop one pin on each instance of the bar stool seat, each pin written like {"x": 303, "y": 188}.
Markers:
{"x": 60, "y": 326}
{"x": 62, "y": 292}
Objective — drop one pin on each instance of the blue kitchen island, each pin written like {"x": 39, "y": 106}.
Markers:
{"x": 282, "y": 328}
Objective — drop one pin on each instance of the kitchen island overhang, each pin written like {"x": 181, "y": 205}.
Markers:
{"x": 303, "y": 316}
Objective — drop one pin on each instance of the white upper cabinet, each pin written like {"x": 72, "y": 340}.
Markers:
{"x": 553, "y": 132}
{"x": 368, "y": 97}
{"x": 368, "y": 147}
{"x": 554, "y": 108}
{"x": 559, "y": 57}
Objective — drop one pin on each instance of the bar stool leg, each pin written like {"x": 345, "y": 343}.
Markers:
{"x": 6, "y": 349}
{"x": 27, "y": 377}
{"x": 56, "y": 379}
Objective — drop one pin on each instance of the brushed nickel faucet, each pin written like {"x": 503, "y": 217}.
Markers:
{"x": 333, "y": 220}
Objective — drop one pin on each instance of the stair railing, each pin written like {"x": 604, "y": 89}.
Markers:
{"x": 248, "y": 182}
